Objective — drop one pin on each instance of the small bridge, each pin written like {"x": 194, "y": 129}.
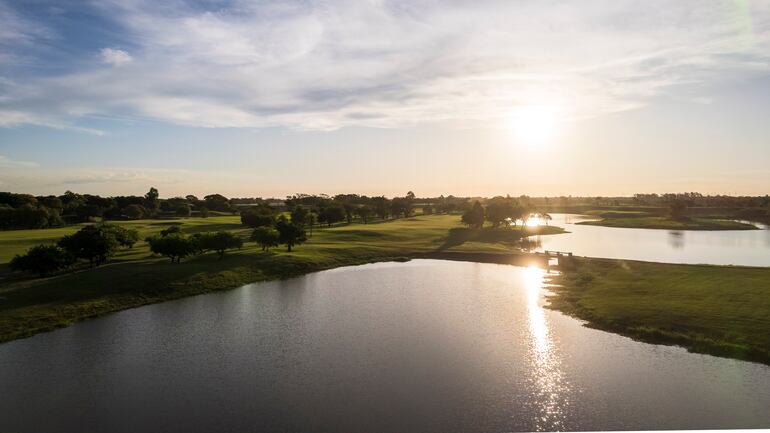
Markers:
{"x": 562, "y": 258}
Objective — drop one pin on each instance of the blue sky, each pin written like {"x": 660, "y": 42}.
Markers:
{"x": 263, "y": 98}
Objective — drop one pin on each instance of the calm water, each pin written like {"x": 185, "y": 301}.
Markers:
{"x": 731, "y": 247}
{"x": 425, "y": 345}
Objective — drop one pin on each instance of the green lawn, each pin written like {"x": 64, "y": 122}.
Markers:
{"x": 715, "y": 309}
{"x": 643, "y": 222}
{"x": 135, "y": 277}
{"x": 721, "y": 310}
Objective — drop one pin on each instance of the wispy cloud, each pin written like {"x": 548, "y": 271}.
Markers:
{"x": 6, "y": 162}
{"x": 326, "y": 65}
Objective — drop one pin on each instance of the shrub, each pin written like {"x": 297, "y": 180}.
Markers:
{"x": 42, "y": 260}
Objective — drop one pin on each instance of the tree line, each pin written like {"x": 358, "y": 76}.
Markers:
{"x": 500, "y": 211}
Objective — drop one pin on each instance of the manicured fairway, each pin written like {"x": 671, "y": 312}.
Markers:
{"x": 135, "y": 277}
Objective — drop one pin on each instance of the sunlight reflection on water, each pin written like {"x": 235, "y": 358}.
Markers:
{"x": 547, "y": 374}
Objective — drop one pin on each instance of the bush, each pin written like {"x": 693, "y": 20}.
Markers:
{"x": 42, "y": 260}
{"x": 218, "y": 241}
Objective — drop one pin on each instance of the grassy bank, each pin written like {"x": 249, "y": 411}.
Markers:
{"x": 719, "y": 310}
{"x": 647, "y": 222}
{"x": 135, "y": 277}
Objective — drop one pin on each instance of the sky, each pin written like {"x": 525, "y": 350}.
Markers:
{"x": 471, "y": 98}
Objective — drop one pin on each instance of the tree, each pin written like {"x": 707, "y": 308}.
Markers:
{"x": 125, "y": 237}
{"x": 91, "y": 243}
{"x": 217, "y": 202}
{"x": 364, "y": 212}
{"x": 220, "y": 242}
{"x": 331, "y": 214}
{"x": 349, "y": 208}
{"x": 427, "y": 210}
{"x": 381, "y": 206}
{"x": 152, "y": 200}
{"x": 546, "y": 217}
{"x": 677, "y": 209}
{"x": 175, "y": 246}
{"x": 289, "y": 233}
{"x": 266, "y": 237}
{"x": 204, "y": 211}
{"x": 474, "y": 217}
{"x": 183, "y": 210}
{"x": 311, "y": 219}
{"x": 42, "y": 260}
{"x": 299, "y": 215}
{"x": 134, "y": 211}
{"x": 258, "y": 217}
{"x": 88, "y": 212}
{"x": 498, "y": 210}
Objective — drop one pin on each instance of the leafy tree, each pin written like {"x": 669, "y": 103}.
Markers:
{"x": 88, "y": 212}
{"x": 258, "y": 217}
{"x": 311, "y": 219}
{"x": 125, "y": 237}
{"x": 290, "y": 233}
{"x": 204, "y": 212}
{"x": 474, "y": 217}
{"x": 349, "y": 209}
{"x": 427, "y": 210}
{"x": 134, "y": 211}
{"x": 51, "y": 202}
{"x": 266, "y": 237}
{"x": 677, "y": 209}
{"x": 183, "y": 210}
{"x": 364, "y": 212}
{"x": 498, "y": 210}
{"x": 331, "y": 214}
{"x": 91, "y": 243}
{"x": 381, "y": 206}
{"x": 220, "y": 242}
{"x": 175, "y": 246}
{"x": 152, "y": 200}
{"x": 42, "y": 260}
{"x": 217, "y": 202}
{"x": 299, "y": 215}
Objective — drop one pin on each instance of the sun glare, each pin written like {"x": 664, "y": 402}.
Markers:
{"x": 534, "y": 125}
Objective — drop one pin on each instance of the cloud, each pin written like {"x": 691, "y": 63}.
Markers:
{"x": 114, "y": 56}
{"x": 326, "y": 65}
{"x": 6, "y": 162}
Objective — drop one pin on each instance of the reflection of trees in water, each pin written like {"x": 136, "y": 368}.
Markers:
{"x": 676, "y": 239}
{"x": 531, "y": 243}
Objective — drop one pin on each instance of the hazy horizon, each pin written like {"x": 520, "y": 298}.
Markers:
{"x": 274, "y": 98}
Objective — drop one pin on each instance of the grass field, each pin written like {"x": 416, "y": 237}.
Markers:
{"x": 713, "y": 309}
{"x": 720, "y": 310}
{"x": 647, "y": 222}
{"x": 134, "y": 277}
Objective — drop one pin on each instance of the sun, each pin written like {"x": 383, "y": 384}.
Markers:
{"x": 534, "y": 125}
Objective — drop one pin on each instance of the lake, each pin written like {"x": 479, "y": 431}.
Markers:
{"x": 425, "y": 345}
{"x": 728, "y": 247}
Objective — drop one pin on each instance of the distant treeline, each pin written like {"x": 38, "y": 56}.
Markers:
{"x": 25, "y": 211}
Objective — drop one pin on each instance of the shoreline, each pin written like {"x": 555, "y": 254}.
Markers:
{"x": 719, "y": 310}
